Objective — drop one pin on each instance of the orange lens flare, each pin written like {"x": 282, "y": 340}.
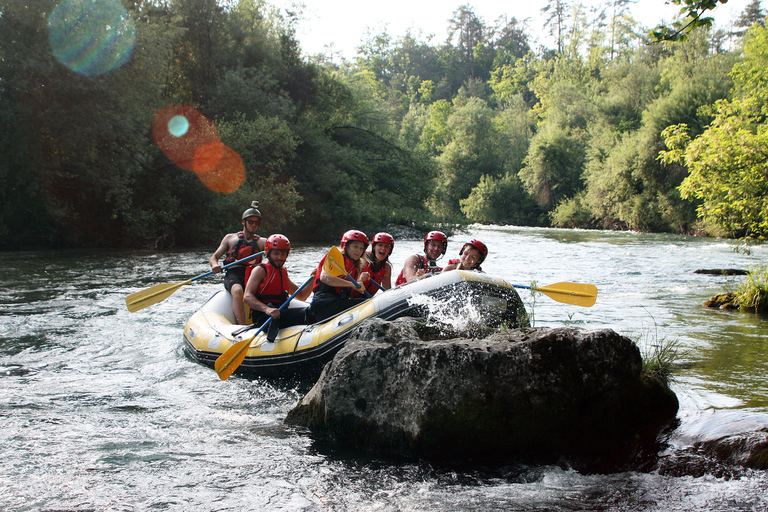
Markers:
{"x": 191, "y": 141}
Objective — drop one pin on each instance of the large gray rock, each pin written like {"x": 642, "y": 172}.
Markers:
{"x": 522, "y": 394}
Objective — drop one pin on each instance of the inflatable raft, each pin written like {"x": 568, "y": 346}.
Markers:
{"x": 301, "y": 351}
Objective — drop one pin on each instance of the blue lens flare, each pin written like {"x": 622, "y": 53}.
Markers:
{"x": 91, "y": 37}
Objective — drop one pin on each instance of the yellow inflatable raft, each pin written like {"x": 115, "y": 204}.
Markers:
{"x": 301, "y": 351}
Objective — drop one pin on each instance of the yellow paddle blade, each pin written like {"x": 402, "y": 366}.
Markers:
{"x": 228, "y": 362}
{"x": 334, "y": 263}
{"x": 578, "y": 294}
{"x": 153, "y": 295}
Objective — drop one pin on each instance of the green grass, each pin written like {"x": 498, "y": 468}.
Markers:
{"x": 752, "y": 293}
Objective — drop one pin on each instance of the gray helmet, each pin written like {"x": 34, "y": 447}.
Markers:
{"x": 253, "y": 211}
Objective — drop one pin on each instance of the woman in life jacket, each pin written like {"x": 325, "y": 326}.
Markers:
{"x": 377, "y": 263}
{"x": 417, "y": 265}
{"x": 237, "y": 246}
{"x": 334, "y": 294}
{"x": 471, "y": 256}
{"x": 269, "y": 286}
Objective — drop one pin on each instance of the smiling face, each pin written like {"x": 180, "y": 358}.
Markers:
{"x": 434, "y": 249}
{"x": 381, "y": 251}
{"x": 251, "y": 224}
{"x": 354, "y": 250}
{"x": 470, "y": 258}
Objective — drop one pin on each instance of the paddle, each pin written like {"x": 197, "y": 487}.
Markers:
{"x": 155, "y": 294}
{"x": 578, "y": 294}
{"x": 228, "y": 362}
{"x": 338, "y": 258}
{"x": 334, "y": 265}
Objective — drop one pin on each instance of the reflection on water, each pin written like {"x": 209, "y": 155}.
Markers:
{"x": 101, "y": 409}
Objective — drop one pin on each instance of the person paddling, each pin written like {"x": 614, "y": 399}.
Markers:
{"x": 471, "y": 256}
{"x": 237, "y": 246}
{"x": 334, "y": 294}
{"x": 417, "y": 265}
{"x": 377, "y": 264}
{"x": 269, "y": 286}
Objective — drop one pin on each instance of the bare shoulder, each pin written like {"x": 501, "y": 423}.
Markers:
{"x": 412, "y": 260}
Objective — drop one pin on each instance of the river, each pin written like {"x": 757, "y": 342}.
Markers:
{"x": 101, "y": 409}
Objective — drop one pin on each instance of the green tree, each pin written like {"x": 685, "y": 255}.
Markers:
{"x": 728, "y": 162}
{"x": 473, "y": 150}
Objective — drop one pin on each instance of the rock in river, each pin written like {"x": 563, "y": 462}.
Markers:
{"x": 540, "y": 394}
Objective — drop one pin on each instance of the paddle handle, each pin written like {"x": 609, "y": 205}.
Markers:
{"x": 358, "y": 285}
{"x": 225, "y": 267}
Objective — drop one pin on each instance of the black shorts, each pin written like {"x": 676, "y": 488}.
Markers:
{"x": 234, "y": 275}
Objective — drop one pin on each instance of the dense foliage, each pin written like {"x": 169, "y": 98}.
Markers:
{"x": 480, "y": 127}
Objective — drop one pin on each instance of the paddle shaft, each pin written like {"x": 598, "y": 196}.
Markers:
{"x": 225, "y": 267}
{"x": 234, "y": 355}
{"x": 154, "y": 294}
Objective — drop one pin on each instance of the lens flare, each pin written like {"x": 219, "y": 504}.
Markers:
{"x": 227, "y": 175}
{"x": 91, "y": 37}
{"x": 178, "y": 126}
{"x": 181, "y": 150}
{"x": 191, "y": 141}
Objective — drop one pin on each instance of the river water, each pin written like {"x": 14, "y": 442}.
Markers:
{"x": 101, "y": 409}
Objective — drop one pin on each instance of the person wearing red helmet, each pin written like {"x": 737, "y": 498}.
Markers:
{"x": 417, "y": 265}
{"x": 269, "y": 286}
{"x": 237, "y": 246}
{"x": 377, "y": 263}
{"x": 471, "y": 256}
{"x": 334, "y": 294}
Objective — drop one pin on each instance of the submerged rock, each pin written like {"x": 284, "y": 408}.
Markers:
{"x": 536, "y": 394}
{"x": 726, "y": 457}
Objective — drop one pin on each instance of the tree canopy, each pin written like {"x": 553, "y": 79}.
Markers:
{"x": 181, "y": 112}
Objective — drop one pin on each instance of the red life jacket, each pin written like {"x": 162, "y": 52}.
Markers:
{"x": 343, "y": 292}
{"x": 424, "y": 264}
{"x": 273, "y": 289}
{"x": 375, "y": 276}
{"x": 242, "y": 249}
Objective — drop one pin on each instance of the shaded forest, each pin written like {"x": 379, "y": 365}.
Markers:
{"x": 606, "y": 130}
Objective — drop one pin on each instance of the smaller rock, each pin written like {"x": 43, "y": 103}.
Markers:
{"x": 722, "y": 301}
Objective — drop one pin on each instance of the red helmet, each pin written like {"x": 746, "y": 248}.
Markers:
{"x": 277, "y": 242}
{"x": 354, "y": 236}
{"x": 477, "y": 244}
{"x": 383, "y": 238}
{"x": 436, "y": 235}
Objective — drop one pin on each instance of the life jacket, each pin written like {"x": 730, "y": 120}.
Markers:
{"x": 456, "y": 261}
{"x": 375, "y": 276}
{"x": 320, "y": 287}
{"x": 242, "y": 249}
{"x": 424, "y": 264}
{"x": 273, "y": 290}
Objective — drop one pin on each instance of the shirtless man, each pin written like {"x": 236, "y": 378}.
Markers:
{"x": 237, "y": 246}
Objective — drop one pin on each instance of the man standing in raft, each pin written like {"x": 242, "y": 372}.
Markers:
{"x": 417, "y": 265}
{"x": 269, "y": 286}
{"x": 237, "y": 246}
{"x": 471, "y": 256}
